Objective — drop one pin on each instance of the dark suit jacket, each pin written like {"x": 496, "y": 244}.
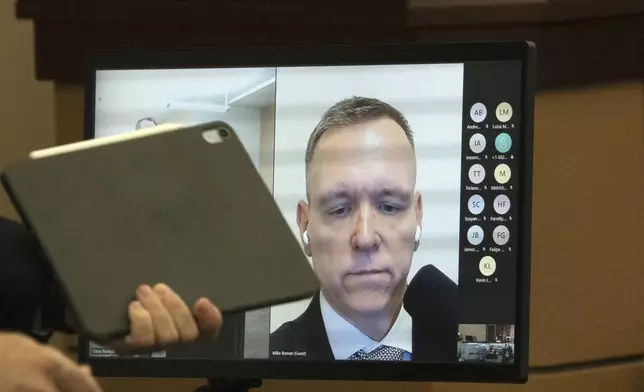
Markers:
{"x": 28, "y": 291}
{"x": 306, "y": 334}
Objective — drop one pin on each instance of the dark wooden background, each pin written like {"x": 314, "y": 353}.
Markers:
{"x": 579, "y": 41}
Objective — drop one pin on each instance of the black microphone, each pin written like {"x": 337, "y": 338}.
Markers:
{"x": 431, "y": 300}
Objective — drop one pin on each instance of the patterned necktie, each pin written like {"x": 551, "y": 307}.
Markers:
{"x": 382, "y": 353}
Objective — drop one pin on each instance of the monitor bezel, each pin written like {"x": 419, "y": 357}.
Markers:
{"x": 525, "y": 52}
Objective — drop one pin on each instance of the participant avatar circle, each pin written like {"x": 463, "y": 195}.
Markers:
{"x": 503, "y": 143}
{"x": 478, "y": 112}
{"x": 487, "y": 266}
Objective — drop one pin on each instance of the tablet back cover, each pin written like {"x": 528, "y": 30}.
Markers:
{"x": 172, "y": 208}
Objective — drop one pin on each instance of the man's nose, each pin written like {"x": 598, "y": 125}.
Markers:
{"x": 365, "y": 236}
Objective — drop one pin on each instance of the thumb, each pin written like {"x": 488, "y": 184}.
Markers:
{"x": 209, "y": 318}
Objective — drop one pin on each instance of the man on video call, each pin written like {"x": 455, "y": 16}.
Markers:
{"x": 361, "y": 225}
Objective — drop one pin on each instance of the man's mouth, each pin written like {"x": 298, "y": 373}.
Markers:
{"x": 368, "y": 272}
{"x": 368, "y": 279}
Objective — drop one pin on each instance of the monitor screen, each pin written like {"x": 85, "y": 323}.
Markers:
{"x": 406, "y": 181}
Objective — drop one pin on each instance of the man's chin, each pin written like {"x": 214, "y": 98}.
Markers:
{"x": 370, "y": 304}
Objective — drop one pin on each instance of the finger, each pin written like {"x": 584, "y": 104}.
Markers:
{"x": 38, "y": 382}
{"x": 87, "y": 370}
{"x": 68, "y": 376}
{"x": 141, "y": 328}
{"x": 208, "y": 317}
{"x": 19, "y": 340}
{"x": 74, "y": 379}
{"x": 164, "y": 329}
{"x": 179, "y": 312}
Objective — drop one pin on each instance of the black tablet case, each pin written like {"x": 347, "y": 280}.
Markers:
{"x": 169, "y": 208}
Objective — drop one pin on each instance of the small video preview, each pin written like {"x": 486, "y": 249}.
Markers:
{"x": 486, "y": 343}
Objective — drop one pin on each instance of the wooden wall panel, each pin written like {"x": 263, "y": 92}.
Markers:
{"x": 587, "y": 260}
{"x": 622, "y": 378}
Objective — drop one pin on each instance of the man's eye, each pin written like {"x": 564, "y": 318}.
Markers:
{"x": 340, "y": 211}
{"x": 389, "y": 208}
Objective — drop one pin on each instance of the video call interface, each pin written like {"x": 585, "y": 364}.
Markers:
{"x": 399, "y": 181}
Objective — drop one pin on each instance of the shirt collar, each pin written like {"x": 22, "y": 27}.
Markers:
{"x": 345, "y": 339}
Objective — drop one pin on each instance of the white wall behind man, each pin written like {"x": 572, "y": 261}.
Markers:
{"x": 124, "y": 97}
{"x": 430, "y": 96}
{"x": 245, "y": 121}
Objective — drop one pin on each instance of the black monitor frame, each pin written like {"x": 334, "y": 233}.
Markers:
{"x": 516, "y": 372}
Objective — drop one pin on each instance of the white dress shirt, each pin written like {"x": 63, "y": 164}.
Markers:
{"x": 345, "y": 339}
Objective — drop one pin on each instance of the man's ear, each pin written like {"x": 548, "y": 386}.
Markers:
{"x": 418, "y": 206}
{"x": 303, "y": 210}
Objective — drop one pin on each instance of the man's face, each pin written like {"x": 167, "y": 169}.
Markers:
{"x": 362, "y": 215}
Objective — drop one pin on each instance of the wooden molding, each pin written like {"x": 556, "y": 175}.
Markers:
{"x": 585, "y": 52}
{"x": 513, "y": 12}
{"x": 579, "y": 42}
{"x": 217, "y": 12}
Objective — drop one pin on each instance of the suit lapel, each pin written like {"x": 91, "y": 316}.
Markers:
{"x": 316, "y": 336}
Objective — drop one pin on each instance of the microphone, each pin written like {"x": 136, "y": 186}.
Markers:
{"x": 431, "y": 300}
{"x": 431, "y": 296}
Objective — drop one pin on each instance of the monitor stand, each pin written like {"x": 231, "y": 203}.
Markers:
{"x": 229, "y": 385}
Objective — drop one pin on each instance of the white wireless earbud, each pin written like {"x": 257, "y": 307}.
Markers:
{"x": 305, "y": 237}
{"x": 418, "y": 234}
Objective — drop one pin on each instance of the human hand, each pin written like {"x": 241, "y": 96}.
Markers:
{"x": 27, "y": 365}
{"x": 160, "y": 318}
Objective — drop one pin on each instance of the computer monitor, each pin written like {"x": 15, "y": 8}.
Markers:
{"x": 405, "y": 172}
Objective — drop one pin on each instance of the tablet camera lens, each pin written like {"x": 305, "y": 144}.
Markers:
{"x": 224, "y": 133}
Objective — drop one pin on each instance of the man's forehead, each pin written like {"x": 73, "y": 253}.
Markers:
{"x": 381, "y": 188}
{"x": 364, "y": 143}
{"x": 382, "y": 136}
{"x": 361, "y": 178}
{"x": 373, "y": 155}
